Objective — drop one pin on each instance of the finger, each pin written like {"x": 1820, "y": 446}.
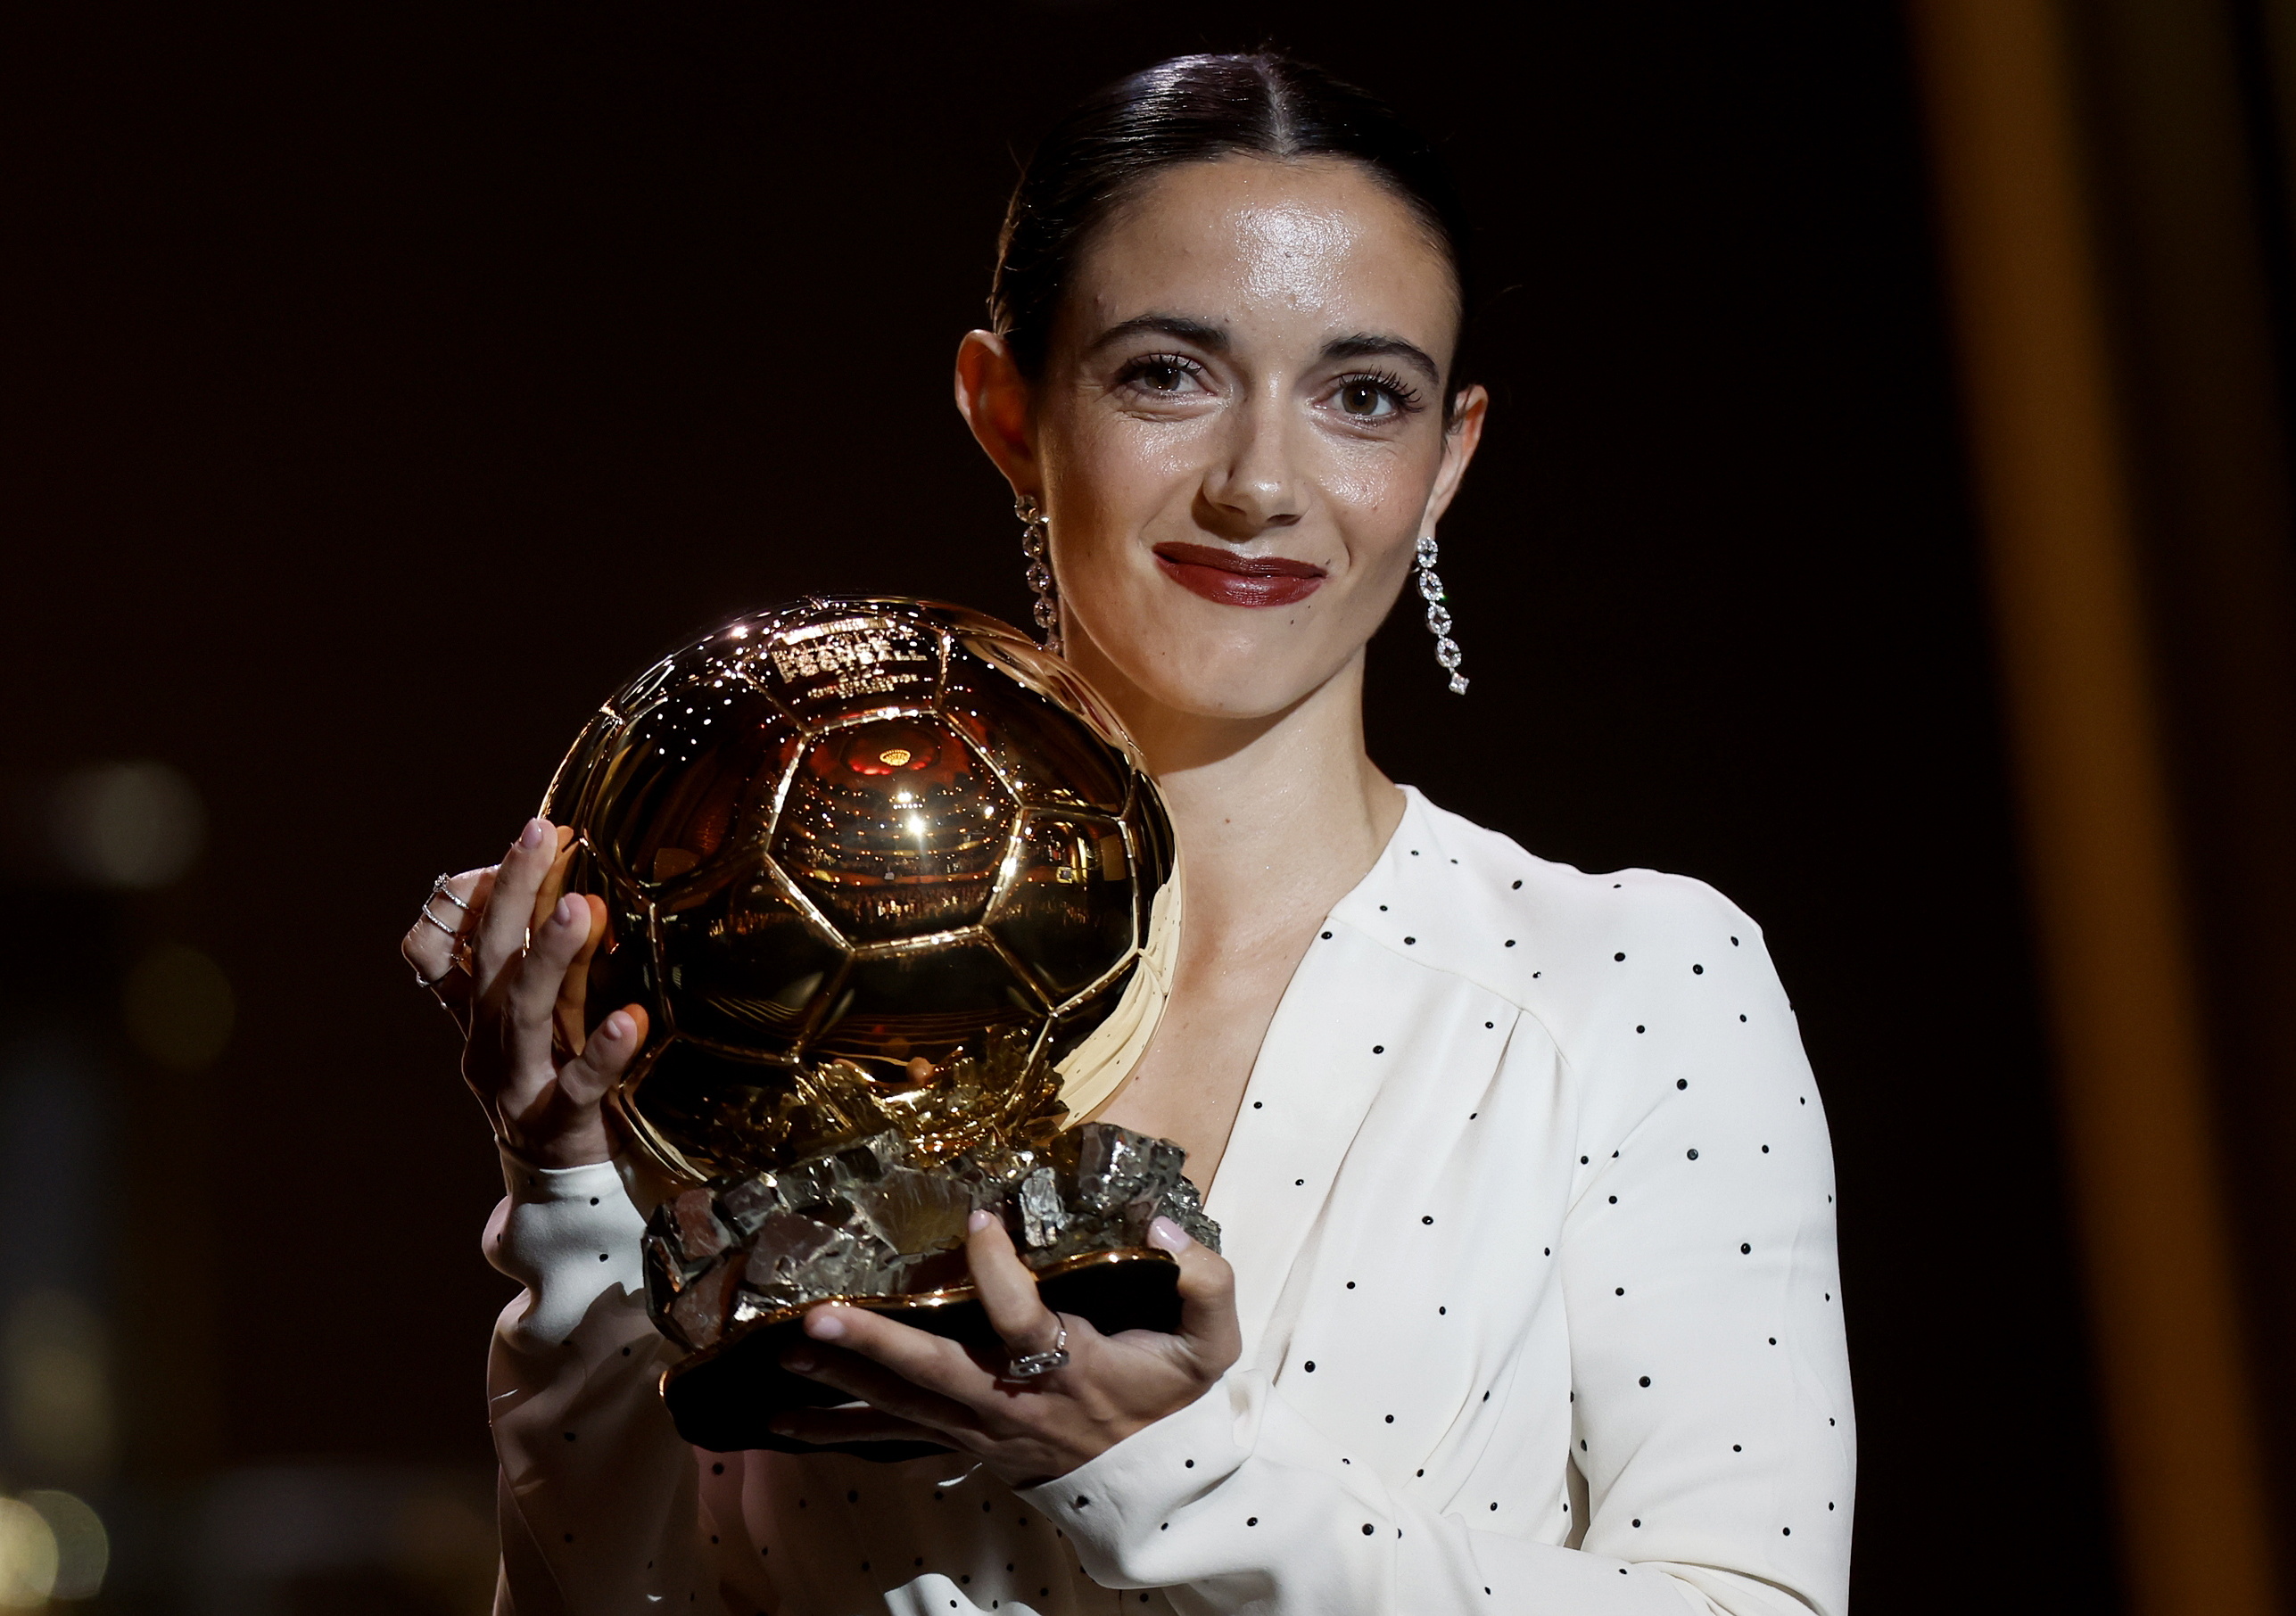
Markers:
{"x": 554, "y": 880}
{"x": 585, "y": 1080}
{"x": 449, "y": 909}
{"x": 533, "y": 993}
{"x": 823, "y": 1426}
{"x": 867, "y": 1363}
{"x": 509, "y": 911}
{"x": 1008, "y": 1290}
{"x": 1209, "y": 1329}
{"x": 574, "y": 987}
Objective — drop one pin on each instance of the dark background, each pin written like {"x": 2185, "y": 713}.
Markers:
{"x": 387, "y": 387}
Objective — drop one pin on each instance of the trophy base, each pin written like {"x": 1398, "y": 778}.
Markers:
{"x": 726, "y": 1399}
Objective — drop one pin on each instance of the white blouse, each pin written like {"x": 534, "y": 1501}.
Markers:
{"x": 1530, "y": 1207}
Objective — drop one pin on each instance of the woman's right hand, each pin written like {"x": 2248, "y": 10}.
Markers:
{"x": 514, "y": 975}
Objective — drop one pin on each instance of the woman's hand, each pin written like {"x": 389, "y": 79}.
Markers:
{"x": 509, "y": 958}
{"x": 922, "y": 1388}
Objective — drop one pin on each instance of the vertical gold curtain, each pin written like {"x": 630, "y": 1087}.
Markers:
{"x": 2114, "y": 924}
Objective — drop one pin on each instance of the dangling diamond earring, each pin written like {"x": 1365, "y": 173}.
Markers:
{"x": 1439, "y": 619}
{"x": 1034, "y": 545}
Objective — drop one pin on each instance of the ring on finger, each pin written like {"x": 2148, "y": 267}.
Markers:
{"x": 1029, "y": 1365}
{"x": 440, "y": 889}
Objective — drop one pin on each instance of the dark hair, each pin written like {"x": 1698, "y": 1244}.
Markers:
{"x": 1194, "y": 109}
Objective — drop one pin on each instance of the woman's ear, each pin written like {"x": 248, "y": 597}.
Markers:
{"x": 992, "y": 397}
{"x": 1461, "y": 438}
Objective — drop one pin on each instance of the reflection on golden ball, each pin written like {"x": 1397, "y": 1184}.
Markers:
{"x": 868, "y": 863}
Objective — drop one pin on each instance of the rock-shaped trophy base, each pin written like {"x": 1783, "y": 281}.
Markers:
{"x": 731, "y": 1268}
{"x": 725, "y": 1400}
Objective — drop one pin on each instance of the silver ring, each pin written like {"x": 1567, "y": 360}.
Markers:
{"x": 1029, "y": 1365}
{"x": 439, "y": 890}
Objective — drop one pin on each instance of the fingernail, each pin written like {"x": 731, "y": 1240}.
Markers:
{"x": 1166, "y": 1236}
{"x": 980, "y": 1219}
{"x": 616, "y": 1026}
{"x": 565, "y": 912}
{"x": 530, "y": 837}
{"x": 823, "y": 1325}
{"x": 799, "y": 1363}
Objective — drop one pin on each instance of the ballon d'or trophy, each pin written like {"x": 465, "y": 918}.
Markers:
{"x": 900, "y": 900}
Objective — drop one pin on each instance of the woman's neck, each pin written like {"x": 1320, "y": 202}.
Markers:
{"x": 1277, "y": 816}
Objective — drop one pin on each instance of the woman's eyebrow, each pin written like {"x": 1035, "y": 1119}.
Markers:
{"x": 1368, "y": 346}
{"x": 1179, "y": 325}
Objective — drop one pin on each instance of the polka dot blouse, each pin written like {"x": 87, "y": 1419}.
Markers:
{"x": 1530, "y": 1207}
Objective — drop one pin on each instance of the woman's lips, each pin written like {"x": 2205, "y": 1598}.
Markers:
{"x": 1234, "y": 580}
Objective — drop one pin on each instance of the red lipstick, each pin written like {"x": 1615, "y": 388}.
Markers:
{"x": 1234, "y": 580}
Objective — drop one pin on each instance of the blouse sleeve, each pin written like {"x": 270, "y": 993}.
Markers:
{"x": 601, "y": 1504}
{"x": 1710, "y": 1401}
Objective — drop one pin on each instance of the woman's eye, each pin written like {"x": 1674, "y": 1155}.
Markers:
{"x": 1374, "y": 398}
{"x": 1167, "y": 375}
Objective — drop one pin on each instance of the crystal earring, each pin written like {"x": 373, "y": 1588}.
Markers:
{"x": 1035, "y": 544}
{"x": 1439, "y": 619}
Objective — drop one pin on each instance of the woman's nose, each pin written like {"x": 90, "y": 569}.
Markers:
{"x": 1255, "y": 483}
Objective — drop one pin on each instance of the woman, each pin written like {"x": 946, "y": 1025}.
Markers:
{"x": 1526, "y": 1188}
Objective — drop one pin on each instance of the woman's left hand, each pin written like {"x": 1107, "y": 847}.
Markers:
{"x": 924, "y": 1387}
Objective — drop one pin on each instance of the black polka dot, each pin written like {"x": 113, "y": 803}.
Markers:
{"x": 1733, "y": 942}
{"x": 1613, "y": 1201}
{"x": 1546, "y": 1250}
{"x": 1410, "y": 940}
{"x": 1367, "y": 1529}
{"x": 1741, "y": 1016}
{"x": 715, "y": 1470}
{"x": 1383, "y": 908}
{"x": 593, "y": 1200}
{"x": 601, "y": 1257}
{"x": 625, "y": 1352}
{"x": 1646, "y": 1380}
{"x": 1786, "y": 1531}
{"x": 1082, "y": 1501}
{"x": 1379, "y": 1049}
{"x": 1297, "y": 1181}
{"x": 1745, "y": 1249}
{"x": 1618, "y": 956}
{"x": 1698, "y": 970}
{"x": 1620, "y": 1291}
{"x": 1766, "y": 1150}
{"x": 1311, "y": 1365}
{"x": 1327, "y": 936}
{"x": 1494, "y": 1505}
{"x": 1350, "y": 1284}
{"x": 1253, "y": 1520}
{"x": 1427, "y": 1220}
{"x": 1638, "y": 1521}
{"x": 1694, "y": 1152}
{"x": 1190, "y": 1465}
{"x": 1390, "y": 1418}
{"x": 1682, "y": 1083}
{"x": 1510, "y": 941}
{"x": 1488, "y": 1025}
{"x": 1641, "y": 1029}
{"x": 1773, "y": 1341}
{"x": 1257, "y": 1104}
{"x": 1516, "y": 888}
{"x": 1734, "y": 1448}
{"x": 570, "y": 1437}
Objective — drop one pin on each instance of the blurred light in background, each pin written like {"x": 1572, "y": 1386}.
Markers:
{"x": 178, "y": 1007}
{"x": 56, "y": 1366}
{"x": 28, "y": 1557}
{"x": 126, "y": 825}
{"x": 83, "y": 1548}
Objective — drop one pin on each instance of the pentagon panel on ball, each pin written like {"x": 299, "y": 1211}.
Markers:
{"x": 889, "y": 881}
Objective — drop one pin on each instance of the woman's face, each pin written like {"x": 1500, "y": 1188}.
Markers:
{"x": 1238, "y": 435}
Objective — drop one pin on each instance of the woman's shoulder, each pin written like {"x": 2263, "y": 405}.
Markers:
{"x": 1457, "y": 896}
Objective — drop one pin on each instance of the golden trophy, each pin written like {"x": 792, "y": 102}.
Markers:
{"x": 899, "y": 898}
